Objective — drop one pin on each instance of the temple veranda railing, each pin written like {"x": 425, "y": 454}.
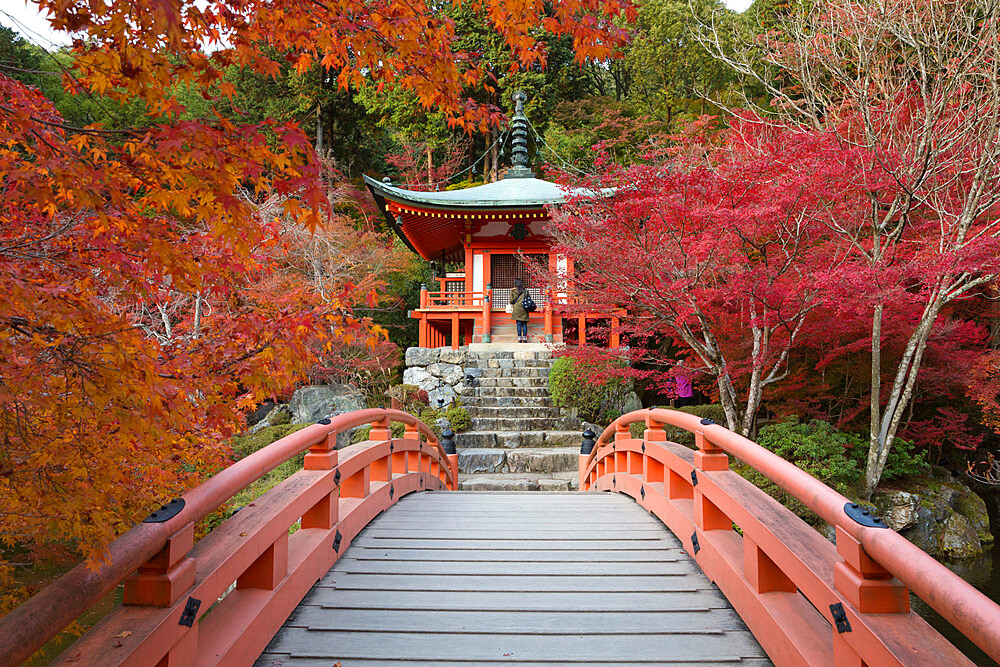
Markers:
{"x": 806, "y": 600}
{"x": 172, "y": 583}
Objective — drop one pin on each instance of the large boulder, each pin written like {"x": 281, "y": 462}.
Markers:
{"x": 421, "y": 378}
{"x": 939, "y": 514}
{"x": 422, "y": 356}
{"x": 899, "y": 509}
{"x": 450, "y": 373}
{"x": 449, "y": 356}
{"x": 958, "y": 539}
{"x": 312, "y": 403}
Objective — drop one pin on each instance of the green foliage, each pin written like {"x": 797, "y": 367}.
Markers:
{"x": 587, "y": 388}
{"x": 247, "y": 444}
{"x": 903, "y": 460}
{"x": 818, "y": 448}
{"x": 243, "y": 446}
{"x": 456, "y": 414}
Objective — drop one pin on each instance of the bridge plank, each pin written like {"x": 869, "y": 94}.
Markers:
{"x": 279, "y": 659}
{"x": 513, "y": 583}
{"x": 503, "y": 568}
{"x": 347, "y": 645}
{"x": 480, "y": 579}
{"x": 526, "y": 555}
{"x": 712, "y": 621}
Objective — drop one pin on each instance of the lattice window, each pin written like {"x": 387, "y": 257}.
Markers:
{"x": 504, "y": 269}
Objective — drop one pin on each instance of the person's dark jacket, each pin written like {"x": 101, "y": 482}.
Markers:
{"x": 517, "y": 299}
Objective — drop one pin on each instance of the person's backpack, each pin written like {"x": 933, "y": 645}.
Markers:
{"x": 528, "y": 302}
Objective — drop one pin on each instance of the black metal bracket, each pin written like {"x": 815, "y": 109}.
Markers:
{"x": 166, "y": 512}
{"x": 864, "y": 516}
{"x": 612, "y": 480}
{"x": 336, "y": 477}
{"x": 391, "y": 446}
{"x": 325, "y": 421}
{"x": 589, "y": 440}
{"x": 190, "y": 612}
{"x": 694, "y": 477}
{"x": 707, "y": 421}
{"x": 694, "y": 542}
{"x": 336, "y": 542}
{"x": 840, "y": 617}
{"x": 642, "y": 492}
{"x": 643, "y": 447}
{"x": 392, "y": 491}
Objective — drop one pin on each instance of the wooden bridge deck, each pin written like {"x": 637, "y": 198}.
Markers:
{"x": 465, "y": 578}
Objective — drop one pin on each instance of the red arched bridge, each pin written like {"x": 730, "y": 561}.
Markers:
{"x": 371, "y": 576}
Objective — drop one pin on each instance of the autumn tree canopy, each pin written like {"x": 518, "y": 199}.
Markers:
{"x": 133, "y": 328}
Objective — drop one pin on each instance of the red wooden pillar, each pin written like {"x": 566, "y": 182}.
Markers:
{"x": 487, "y": 313}
{"x": 455, "y": 335}
{"x": 548, "y": 317}
{"x": 581, "y": 330}
{"x": 616, "y": 340}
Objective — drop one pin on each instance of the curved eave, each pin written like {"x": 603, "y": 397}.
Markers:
{"x": 506, "y": 194}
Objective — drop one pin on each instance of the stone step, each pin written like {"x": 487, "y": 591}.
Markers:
{"x": 521, "y": 423}
{"x": 565, "y": 481}
{"x": 535, "y": 382}
{"x": 515, "y": 373}
{"x": 504, "y": 392}
{"x": 493, "y": 401}
{"x": 497, "y": 412}
{"x": 519, "y": 362}
{"x": 512, "y": 440}
{"x": 547, "y": 460}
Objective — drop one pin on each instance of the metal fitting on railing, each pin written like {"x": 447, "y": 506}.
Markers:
{"x": 589, "y": 440}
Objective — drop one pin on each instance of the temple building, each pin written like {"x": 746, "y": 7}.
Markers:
{"x": 481, "y": 238}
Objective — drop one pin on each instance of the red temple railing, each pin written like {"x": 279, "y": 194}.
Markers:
{"x": 249, "y": 571}
{"x": 806, "y": 600}
{"x": 452, "y": 300}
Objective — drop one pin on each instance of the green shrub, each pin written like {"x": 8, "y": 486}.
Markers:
{"x": 456, "y": 414}
{"x": 902, "y": 461}
{"x": 818, "y": 448}
{"x": 244, "y": 445}
{"x": 571, "y": 385}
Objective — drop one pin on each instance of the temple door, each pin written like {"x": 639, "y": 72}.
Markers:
{"x": 505, "y": 269}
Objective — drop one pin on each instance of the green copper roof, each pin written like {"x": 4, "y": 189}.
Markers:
{"x": 505, "y": 193}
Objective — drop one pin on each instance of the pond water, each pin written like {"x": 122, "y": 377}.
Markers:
{"x": 984, "y": 574}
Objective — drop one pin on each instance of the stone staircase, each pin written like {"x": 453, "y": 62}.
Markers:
{"x": 519, "y": 440}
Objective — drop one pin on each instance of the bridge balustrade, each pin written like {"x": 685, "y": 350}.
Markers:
{"x": 180, "y": 604}
{"x": 806, "y": 600}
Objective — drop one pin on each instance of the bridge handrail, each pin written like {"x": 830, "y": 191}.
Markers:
{"x": 29, "y": 626}
{"x": 970, "y": 611}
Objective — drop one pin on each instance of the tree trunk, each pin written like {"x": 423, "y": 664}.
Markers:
{"x": 494, "y": 157}
{"x": 319, "y": 130}
{"x": 875, "y": 404}
{"x": 430, "y": 165}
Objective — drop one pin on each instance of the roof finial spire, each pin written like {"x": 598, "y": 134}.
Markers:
{"x": 519, "y": 140}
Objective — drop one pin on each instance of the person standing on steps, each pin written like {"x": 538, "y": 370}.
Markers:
{"x": 518, "y": 311}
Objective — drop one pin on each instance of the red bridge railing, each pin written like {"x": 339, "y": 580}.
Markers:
{"x": 171, "y": 583}
{"x": 806, "y": 600}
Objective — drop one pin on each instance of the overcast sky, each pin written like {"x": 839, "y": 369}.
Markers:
{"x": 26, "y": 19}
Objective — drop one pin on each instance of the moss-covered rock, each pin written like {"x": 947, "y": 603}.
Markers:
{"x": 950, "y": 519}
{"x": 957, "y": 538}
